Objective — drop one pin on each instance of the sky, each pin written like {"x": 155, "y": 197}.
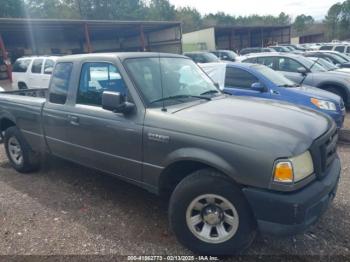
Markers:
{"x": 317, "y": 8}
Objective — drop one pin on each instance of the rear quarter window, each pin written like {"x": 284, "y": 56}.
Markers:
{"x": 60, "y": 83}
{"x": 340, "y": 49}
{"x": 326, "y": 47}
{"x": 37, "y": 65}
{"x": 252, "y": 60}
{"x": 21, "y": 66}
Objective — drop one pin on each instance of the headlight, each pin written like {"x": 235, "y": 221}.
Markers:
{"x": 323, "y": 104}
{"x": 294, "y": 169}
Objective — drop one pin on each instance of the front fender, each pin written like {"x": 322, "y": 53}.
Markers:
{"x": 201, "y": 156}
{"x": 6, "y": 115}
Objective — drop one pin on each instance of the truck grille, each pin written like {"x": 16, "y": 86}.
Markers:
{"x": 324, "y": 151}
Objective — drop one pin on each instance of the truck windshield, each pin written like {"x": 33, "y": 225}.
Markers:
{"x": 169, "y": 81}
{"x": 275, "y": 77}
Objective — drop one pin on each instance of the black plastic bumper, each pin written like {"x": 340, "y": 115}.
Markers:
{"x": 290, "y": 213}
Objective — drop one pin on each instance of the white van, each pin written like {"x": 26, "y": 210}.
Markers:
{"x": 33, "y": 72}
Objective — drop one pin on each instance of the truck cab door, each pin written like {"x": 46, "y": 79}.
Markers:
{"x": 98, "y": 138}
{"x": 240, "y": 82}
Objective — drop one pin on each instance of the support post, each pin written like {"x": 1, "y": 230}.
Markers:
{"x": 6, "y": 59}
{"x": 142, "y": 39}
{"x": 250, "y": 38}
{"x": 87, "y": 38}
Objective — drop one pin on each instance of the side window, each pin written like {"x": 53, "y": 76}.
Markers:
{"x": 267, "y": 61}
{"x": 326, "y": 47}
{"x": 21, "y": 66}
{"x": 60, "y": 82}
{"x": 96, "y": 78}
{"x": 37, "y": 65}
{"x": 348, "y": 50}
{"x": 340, "y": 49}
{"x": 288, "y": 65}
{"x": 251, "y": 60}
{"x": 198, "y": 59}
{"x": 48, "y": 67}
{"x": 239, "y": 78}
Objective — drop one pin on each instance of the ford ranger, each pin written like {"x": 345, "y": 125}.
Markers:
{"x": 232, "y": 166}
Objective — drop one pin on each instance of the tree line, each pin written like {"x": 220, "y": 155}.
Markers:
{"x": 337, "y": 20}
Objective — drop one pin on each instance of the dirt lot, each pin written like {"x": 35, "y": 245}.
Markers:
{"x": 67, "y": 209}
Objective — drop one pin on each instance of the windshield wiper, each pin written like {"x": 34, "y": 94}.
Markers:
{"x": 210, "y": 92}
{"x": 286, "y": 85}
{"x": 179, "y": 97}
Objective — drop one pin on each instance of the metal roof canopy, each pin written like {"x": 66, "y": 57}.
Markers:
{"x": 251, "y": 36}
{"x": 96, "y": 27}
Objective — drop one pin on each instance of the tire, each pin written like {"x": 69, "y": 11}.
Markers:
{"x": 22, "y": 86}
{"x": 210, "y": 183}
{"x": 18, "y": 151}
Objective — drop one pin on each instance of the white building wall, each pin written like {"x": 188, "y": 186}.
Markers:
{"x": 202, "y": 39}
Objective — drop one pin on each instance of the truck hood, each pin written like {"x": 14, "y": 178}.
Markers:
{"x": 254, "y": 123}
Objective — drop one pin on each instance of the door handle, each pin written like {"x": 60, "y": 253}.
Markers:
{"x": 73, "y": 120}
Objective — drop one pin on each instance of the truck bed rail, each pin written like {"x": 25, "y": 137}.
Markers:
{"x": 40, "y": 92}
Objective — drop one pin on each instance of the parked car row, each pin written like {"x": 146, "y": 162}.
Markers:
{"x": 244, "y": 79}
{"x": 303, "y": 78}
{"x": 302, "y": 70}
{"x": 227, "y": 162}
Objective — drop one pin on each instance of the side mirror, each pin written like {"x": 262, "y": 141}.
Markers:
{"x": 258, "y": 87}
{"x": 302, "y": 70}
{"x": 216, "y": 84}
{"x": 48, "y": 71}
{"x": 114, "y": 101}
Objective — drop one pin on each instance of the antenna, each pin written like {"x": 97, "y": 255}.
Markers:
{"x": 315, "y": 62}
{"x": 161, "y": 83}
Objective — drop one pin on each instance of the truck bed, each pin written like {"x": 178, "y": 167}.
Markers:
{"x": 24, "y": 108}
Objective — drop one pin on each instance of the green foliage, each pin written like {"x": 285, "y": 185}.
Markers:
{"x": 338, "y": 21}
{"x": 129, "y": 10}
{"x": 302, "y": 22}
{"x": 160, "y": 10}
{"x": 11, "y": 8}
{"x": 191, "y": 19}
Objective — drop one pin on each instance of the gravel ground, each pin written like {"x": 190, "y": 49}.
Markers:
{"x": 66, "y": 209}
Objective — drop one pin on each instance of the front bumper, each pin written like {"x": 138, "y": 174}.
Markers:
{"x": 290, "y": 213}
{"x": 338, "y": 116}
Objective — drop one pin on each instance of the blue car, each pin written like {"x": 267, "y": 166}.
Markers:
{"x": 244, "y": 79}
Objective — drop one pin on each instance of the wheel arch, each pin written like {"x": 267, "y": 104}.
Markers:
{"x": 7, "y": 121}
{"x": 328, "y": 84}
{"x": 184, "y": 162}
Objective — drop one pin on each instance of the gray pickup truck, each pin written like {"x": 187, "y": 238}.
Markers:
{"x": 231, "y": 166}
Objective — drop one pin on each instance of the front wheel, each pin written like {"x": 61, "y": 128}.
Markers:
{"x": 209, "y": 215}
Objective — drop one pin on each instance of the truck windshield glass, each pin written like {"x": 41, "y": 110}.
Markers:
{"x": 275, "y": 77}
{"x": 169, "y": 80}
